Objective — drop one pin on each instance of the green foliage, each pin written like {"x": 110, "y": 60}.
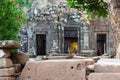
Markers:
{"x": 12, "y": 17}
{"x": 94, "y": 8}
{"x": 24, "y": 3}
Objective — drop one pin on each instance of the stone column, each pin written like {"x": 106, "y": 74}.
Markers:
{"x": 62, "y": 39}
{"x": 79, "y": 39}
{"x": 95, "y": 35}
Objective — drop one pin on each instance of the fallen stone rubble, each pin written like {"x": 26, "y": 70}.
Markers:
{"x": 14, "y": 64}
{"x": 10, "y": 63}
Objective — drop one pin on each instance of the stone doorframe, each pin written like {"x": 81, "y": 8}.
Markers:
{"x": 41, "y": 32}
{"x": 107, "y": 41}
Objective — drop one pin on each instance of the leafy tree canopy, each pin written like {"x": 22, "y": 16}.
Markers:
{"x": 12, "y": 17}
{"x": 93, "y": 8}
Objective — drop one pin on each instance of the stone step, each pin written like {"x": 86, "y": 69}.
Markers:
{"x": 104, "y": 76}
{"x": 7, "y": 72}
{"x": 100, "y": 68}
{"x": 5, "y": 62}
{"x": 4, "y": 53}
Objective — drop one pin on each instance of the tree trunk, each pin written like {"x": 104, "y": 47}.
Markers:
{"x": 114, "y": 9}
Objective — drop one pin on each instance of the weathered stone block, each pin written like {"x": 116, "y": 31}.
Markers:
{"x": 54, "y": 70}
{"x": 104, "y": 76}
{"x": 9, "y": 44}
{"x": 5, "y": 62}
{"x": 7, "y": 78}
{"x": 19, "y": 58}
{"x": 100, "y": 68}
{"x": 7, "y": 72}
{"x": 107, "y": 66}
{"x": 4, "y": 53}
{"x": 18, "y": 68}
{"x": 90, "y": 67}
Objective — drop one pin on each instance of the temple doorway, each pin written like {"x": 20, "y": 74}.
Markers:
{"x": 70, "y": 40}
{"x": 40, "y": 44}
{"x": 101, "y": 44}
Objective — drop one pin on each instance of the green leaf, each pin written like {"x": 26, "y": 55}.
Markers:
{"x": 93, "y": 8}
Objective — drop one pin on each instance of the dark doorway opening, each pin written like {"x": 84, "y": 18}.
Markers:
{"x": 41, "y": 44}
{"x": 101, "y": 44}
{"x": 70, "y": 38}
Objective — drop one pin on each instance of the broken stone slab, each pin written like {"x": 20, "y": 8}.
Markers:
{"x": 5, "y": 62}
{"x": 90, "y": 67}
{"x": 19, "y": 58}
{"x": 63, "y": 69}
{"x": 7, "y": 72}
{"x": 9, "y": 44}
{"x": 4, "y": 53}
{"x": 7, "y": 78}
{"x": 107, "y": 66}
{"x": 104, "y": 76}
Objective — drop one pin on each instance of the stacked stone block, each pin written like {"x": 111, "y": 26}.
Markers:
{"x": 106, "y": 69}
{"x": 7, "y": 69}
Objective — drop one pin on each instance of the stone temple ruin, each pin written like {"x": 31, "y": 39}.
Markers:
{"x": 55, "y": 28}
